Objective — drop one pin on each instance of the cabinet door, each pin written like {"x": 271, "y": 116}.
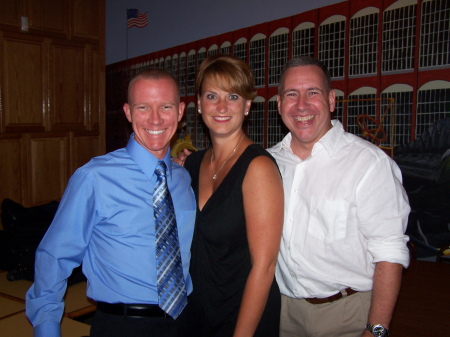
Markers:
{"x": 25, "y": 84}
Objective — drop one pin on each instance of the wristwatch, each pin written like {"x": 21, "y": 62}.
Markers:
{"x": 377, "y": 330}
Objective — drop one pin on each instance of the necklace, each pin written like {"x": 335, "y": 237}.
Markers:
{"x": 232, "y": 152}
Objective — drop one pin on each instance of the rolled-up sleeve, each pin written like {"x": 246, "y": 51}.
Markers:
{"x": 383, "y": 210}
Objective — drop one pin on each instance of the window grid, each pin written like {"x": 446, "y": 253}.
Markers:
{"x": 303, "y": 42}
{"x": 432, "y": 105}
{"x": 200, "y": 132}
{"x": 338, "y": 112}
{"x": 190, "y": 122}
{"x": 191, "y": 75}
{"x": 363, "y": 45}
{"x": 399, "y": 35}
{"x": 182, "y": 76}
{"x": 175, "y": 67}
{"x": 275, "y": 127}
{"x": 168, "y": 65}
{"x": 332, "y": 47}
{"x": 240, "y": 51}
{"x": 359, "y": 105}
{"x": 256, "y": 123}
{"x": 278, "y": 54}
{"x": 213, "y": 51}
{"x": 225, "y": 50}
{"x": 402, "y": 110}
{"x": 258, "y": 60}
{"x": 435, "y": 34}
{"x": 200, "y": 57}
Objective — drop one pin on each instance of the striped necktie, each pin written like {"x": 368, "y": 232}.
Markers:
{"x": 171, "y": 287}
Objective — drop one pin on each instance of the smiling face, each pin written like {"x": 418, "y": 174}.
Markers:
{"x": 154, "y": 111}
{"x": 223, "y": 112}
{"x": 305, "y": 104}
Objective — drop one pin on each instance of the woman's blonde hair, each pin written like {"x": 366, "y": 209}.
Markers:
{"x": 229, "y": 74}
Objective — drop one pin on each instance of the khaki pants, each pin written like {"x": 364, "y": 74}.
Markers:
{"x": 346, "y": 317}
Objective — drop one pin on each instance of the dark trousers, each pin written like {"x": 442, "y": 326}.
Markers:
{"x": 108, "y": 325}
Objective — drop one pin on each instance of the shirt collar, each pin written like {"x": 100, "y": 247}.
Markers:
{"x": 145, "y": 160}
{"x": 328, "y": 141}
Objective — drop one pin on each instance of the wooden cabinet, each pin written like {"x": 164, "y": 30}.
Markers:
{"x": 52, "y": 104}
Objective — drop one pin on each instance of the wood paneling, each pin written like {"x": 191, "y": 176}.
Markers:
{"x": 9, "y": 12}
{"x": 85, "y": 148}
{"x": 85, "y": 17}
{"x": 49, "y": 15}
{"x": 69, "y": 85}
{"x": 24, "y": 104}
{"x": 94, "y": 105}
{"x": 11, "y": 168}
{"x": 52, "y": 95}
{"x": 48, "y": 168}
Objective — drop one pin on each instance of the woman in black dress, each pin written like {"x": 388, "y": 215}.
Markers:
{"x": 240, "y": 213}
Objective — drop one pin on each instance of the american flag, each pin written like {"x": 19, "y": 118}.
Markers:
{"x": 136, "y": 19}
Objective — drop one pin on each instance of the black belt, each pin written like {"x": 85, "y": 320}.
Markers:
{"x": 132, "y": 310}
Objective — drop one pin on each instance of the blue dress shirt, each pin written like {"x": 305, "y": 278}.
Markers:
{"x": 105, "y": 220}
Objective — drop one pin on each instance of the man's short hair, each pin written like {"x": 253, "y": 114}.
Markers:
{"x": 302, "y": 61}
{"x": 153, "y": 74}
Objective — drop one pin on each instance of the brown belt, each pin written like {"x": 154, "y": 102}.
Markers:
{"x": 335, "y": 297}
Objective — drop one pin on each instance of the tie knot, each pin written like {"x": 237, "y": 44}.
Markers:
{"x": 161, "y": 168}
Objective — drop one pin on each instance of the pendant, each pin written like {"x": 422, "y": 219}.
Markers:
{"x": 215, "y": 176}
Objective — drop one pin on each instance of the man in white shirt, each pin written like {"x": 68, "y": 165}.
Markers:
{"x": 343, "y": 247}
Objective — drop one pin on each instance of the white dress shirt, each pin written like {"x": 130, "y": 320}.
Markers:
{"x": 345, "y": 210}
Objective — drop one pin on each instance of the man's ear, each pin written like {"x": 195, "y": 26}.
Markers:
{"x": 332, "y": 100}
{"x": 181, "y": 107}
{"x": 127, "y": 110}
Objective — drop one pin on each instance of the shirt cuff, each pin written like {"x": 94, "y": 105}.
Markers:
{"x": 394, "y": 252}
{"x": 48, "y": 329}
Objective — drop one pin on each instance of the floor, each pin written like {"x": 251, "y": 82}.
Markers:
{"x": 13, "y": 322}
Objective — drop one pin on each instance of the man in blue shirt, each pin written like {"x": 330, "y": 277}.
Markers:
{"x": 106, "y": 221}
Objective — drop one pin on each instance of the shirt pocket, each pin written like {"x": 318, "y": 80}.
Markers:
{"x": 328, "y": 219}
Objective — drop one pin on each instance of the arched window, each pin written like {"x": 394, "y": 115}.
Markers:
{"x": 258, "y": 58}
{"x": 364, "y": 42}
{"x": 225, "y": 47}
{"x": 361, "y": 102}
{"x": 433, "y": 103}
{"x": 399, "y": 114}
{"x": 278, "y": 53}
{"x": 434, "y": 33}
{"x": 275, "y": 127}
{"x": 168, "y": 64}
{"x": 213, "y": 50}
{"x": 175, "y": 66}
{"x": 182, "y": 74}
{"x": 201, "y": 55}
{"x": 240, "y": 49}
{"x": 303, "y": 40}
{"x": 399, "y": 36}
{"x": 191, "y": 73}
{"x": 332, "y": 45}
{"x": 256, "y": 121}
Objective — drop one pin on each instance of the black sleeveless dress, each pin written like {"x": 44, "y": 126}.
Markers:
{"x": 220, "y": 261}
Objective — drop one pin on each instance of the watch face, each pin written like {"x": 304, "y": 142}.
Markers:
{"x": 379, "y": 331}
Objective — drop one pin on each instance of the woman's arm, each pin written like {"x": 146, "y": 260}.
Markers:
{"x": 263, "y": 205}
